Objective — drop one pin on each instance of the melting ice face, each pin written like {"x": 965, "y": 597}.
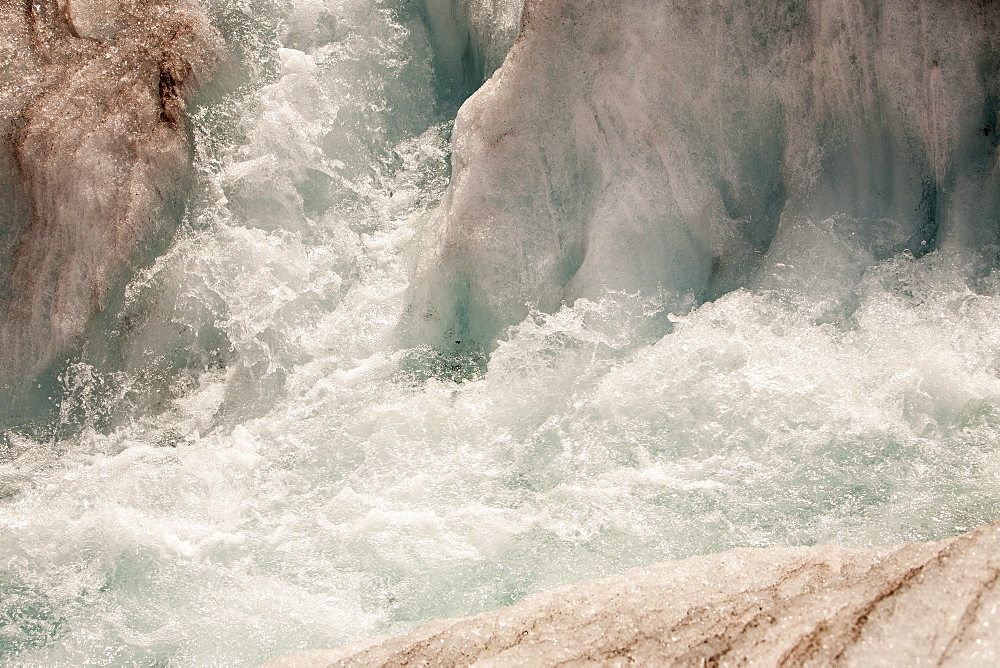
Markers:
{"x": 662, "y": 148}
{"x": 249, "y": 455}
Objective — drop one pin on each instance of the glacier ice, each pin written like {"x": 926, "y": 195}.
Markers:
{"x": 660, "y": 147}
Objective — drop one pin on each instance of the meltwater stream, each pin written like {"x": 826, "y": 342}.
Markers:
{"x": 247, "y": 454}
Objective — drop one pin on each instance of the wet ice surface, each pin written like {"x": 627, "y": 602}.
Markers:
{"x": 919, "y": 604}
{"x": 256, "y": 459}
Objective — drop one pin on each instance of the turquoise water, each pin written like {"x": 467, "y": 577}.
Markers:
{"x": 248, "y": 456}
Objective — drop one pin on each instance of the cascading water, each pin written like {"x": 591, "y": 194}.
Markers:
{"x": 322, "y": 410}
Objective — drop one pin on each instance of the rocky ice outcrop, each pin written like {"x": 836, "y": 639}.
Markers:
{"x": 915, "y": 604}
{"x": 659, "y": 147}
{"x": 93, "y": 97}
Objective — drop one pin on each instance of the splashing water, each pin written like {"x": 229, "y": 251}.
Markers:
{"x": 246, "y": 459}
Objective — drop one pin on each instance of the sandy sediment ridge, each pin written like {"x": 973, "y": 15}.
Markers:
{"x": 914, "y": 604}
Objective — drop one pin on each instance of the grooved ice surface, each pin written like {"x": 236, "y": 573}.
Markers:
{"x": 914, "y": 605}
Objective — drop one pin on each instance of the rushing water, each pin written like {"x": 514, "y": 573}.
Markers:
{"x": 246, "y": 458}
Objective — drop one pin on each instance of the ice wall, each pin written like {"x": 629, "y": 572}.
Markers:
{"x": 659, "y": 148}
{"x": 93, "y": 100}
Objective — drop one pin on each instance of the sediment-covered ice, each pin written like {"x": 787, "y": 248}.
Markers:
{"x": 916, "y": 604}
{"x": 93, "y": 111}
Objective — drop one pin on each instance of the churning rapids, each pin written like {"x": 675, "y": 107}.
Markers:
{"x": 319, "y": 323}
